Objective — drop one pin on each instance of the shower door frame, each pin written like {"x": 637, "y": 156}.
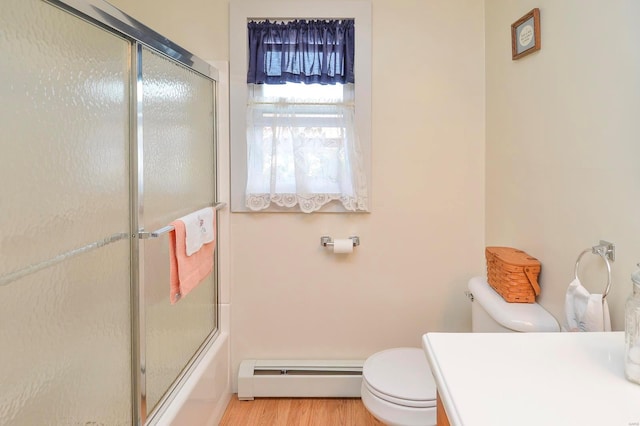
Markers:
{"x": 106, "y": 16}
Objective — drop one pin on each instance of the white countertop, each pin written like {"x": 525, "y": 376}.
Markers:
{"x": 520, "y": 379}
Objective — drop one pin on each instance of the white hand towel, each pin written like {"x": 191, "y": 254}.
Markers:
{"x": 585, "y": 311}
{"x": 199, "y": 229}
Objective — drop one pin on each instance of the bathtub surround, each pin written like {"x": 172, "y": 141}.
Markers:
{"x": 203, "y": 396}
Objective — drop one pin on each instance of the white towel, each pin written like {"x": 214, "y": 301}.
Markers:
{"x": 199, "y": 229}
{"x": 585, "y": 311}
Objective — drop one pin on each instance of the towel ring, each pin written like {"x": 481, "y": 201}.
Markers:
{"x": 606, "y": 251}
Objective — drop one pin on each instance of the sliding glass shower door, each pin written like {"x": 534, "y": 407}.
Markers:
{"x": 65, "y": 323}
{"x": 178, "y": 115}
{"x": 107, "y": 132}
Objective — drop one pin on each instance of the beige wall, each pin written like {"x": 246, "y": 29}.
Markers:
{"x": 425, "y": 237}
{"x": 562, "y": 141}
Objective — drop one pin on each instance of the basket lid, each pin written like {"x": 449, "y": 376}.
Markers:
{"x": 513, "y": 256}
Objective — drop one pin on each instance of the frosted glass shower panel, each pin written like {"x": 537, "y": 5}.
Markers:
{"x": 178, "y": 111}
{"x": 178, "y": 150}
{"x": 65, "y": 333}
{"x": 64, "y": 128}
{"x": 65, "y": 339}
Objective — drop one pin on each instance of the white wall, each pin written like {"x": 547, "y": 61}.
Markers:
{"x": 425, "y": 237}
{"x": 562, "y": 141}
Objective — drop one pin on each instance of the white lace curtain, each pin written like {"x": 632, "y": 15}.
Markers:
{"x": 303, "y": 151}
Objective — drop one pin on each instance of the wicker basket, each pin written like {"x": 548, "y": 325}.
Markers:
{"x": 513, "y": 274}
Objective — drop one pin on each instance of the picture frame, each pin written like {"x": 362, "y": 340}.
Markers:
{"x": 525, "y": 35}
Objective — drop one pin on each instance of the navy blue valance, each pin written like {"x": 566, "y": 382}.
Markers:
{"x": 301, "y": 51}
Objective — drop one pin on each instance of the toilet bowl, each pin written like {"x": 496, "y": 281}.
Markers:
{"x": 397, "y": 385}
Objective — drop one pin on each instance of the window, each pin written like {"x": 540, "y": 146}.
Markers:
{"x": 299, "y": 146}
{"x": 302, "y": 145}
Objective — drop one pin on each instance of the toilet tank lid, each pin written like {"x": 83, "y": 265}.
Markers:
{"x": 522, "y": 317}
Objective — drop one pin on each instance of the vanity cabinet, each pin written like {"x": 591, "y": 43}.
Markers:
{"x": 441, "y": 414}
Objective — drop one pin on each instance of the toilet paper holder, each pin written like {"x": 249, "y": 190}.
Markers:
{"x": 328, "y": 241}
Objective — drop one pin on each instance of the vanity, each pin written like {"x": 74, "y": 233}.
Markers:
{"x": 507, "y": 379}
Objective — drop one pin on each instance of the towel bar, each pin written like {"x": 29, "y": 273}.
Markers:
{"x": 607, "y": 251}
{"x": 166, "y": 229}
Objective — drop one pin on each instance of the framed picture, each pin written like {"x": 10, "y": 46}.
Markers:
{"x": 525, "y": 35}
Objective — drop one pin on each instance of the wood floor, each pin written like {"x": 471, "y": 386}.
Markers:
{"x": 298, "y": 412}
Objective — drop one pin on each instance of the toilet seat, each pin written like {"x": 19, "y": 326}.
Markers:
{"x": 400, "y": 376}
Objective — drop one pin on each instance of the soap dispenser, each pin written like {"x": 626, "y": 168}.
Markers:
{"x": 632, "y": 331}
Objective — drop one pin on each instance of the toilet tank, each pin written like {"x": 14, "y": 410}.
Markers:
{"x": 490, "y": 313}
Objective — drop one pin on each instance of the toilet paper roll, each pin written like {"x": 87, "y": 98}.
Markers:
{"x": 343, "y": 246}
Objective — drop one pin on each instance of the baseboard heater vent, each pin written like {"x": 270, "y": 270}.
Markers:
{"x": 299, "y": 378}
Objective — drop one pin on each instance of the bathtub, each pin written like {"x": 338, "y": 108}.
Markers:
{"x": 205, "y": 394}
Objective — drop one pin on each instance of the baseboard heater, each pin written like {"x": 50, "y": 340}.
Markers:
{"x": 299, "y": 378}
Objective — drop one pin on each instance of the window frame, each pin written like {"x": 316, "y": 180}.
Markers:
{"x": 242, "y": 12}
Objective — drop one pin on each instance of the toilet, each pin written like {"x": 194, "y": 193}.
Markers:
{"x": 397, "y": 385}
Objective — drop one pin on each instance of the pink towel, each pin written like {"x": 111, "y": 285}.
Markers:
{"x": 186, "y": 272}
